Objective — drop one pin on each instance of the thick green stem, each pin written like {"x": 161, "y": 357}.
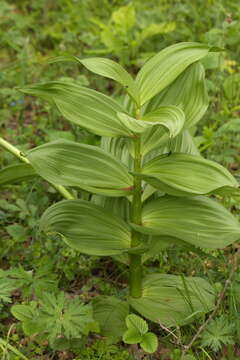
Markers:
{"x": 135, "y": 278}
{"x": 13, "y": 150}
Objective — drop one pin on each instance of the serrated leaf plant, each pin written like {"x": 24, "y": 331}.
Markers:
{"x": 150, "y": 187}
{"x": 55, "y": 316}
{"x": 219, "y": 332}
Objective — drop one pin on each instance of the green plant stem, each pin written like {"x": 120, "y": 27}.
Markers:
{"x": 135, "y": 277}
{"x": 13, "y": 150}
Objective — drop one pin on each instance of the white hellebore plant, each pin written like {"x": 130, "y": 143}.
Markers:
{"x": 150, "y": 187}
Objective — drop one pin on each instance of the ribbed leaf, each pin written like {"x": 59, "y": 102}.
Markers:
{"x": 167, "y": 121}
{"x": 111, "y": 313}
{"x": 112, "y": 70}
{"x": 108, "y": 68}
{"x": 171, "y": 118}
{"x": 182, "y": 143}
{"x": 188, "y": 91}
{"x": 184, "y": 174}
{"x": 85, "y": 107}
{"x": 159, "y": 243}
{"x": 16, "y": 173}
{"x": 162, "y": 69}
{"x": 87, "y": 227}
{"x": 71, "y": 164}
{"x": 118, "y": 147}
{"x": 172, "y": 300}
{"x": 200, "y": 221}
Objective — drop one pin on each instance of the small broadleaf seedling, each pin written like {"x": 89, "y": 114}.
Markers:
{"x": 149, "y": 186}
{"x": 137, "y": 333}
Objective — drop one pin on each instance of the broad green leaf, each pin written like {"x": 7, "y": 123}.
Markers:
{"x": 89, "y": 167}
{"x": 108, "y": 68}
{"x": 16, "y": 173}
{"x": 111, "y": 313}
{"x": 86, "y": 227}
{"x": 118, "y": 147}
{"x": 188, "y": 92}
{"x": 136, "y": 322}
{"x": 166, "y": 119}
{"x": 171, "y": 118}
{"x": 172, "y": 300}
{"x": 85, "y": 107}
{"x": 147, "y": 192}
{"x": 149, "y": 343}
{"x": 159, "y": 243}
{"x": 112, "y": 70}
{"x": 200, "y": 221}
{"x": 163, "y": 68}
{"x": 184, "y": 174}
{"x": 119, "y": 206}
{"x": 182, "y": 143}
{"x": 132, "y": 336}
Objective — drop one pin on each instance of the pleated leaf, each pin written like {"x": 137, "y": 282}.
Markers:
{"x": 162, "y": 69}
{"x": 200, "y": 221}
{"x": 169, "y": 119}
{"x": 172, "y": 300}
{"x": 182, "y": 143}
{"x": 188, "y": 91}
{"x": 72, "y": 164}
{"x": 108, "y": 68}
{"x": 112, "y": 70}
{"x": 16, "y": 173}
{"x": 184, "y": 174}
{"x": 86, "y": 227}
{"x": 111, "y": 313}
{"x": 159, "y": 243}
{"x": 85, "y": 107}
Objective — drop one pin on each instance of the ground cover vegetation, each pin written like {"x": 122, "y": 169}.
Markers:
{"x": 141, "y": 139}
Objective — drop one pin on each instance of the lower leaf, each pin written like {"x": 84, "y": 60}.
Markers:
{"x": 111, "y": 313}
{"x": 87, "y": 227}
{"x": 16, "y": 173}
{"x": 172, "y": 300}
